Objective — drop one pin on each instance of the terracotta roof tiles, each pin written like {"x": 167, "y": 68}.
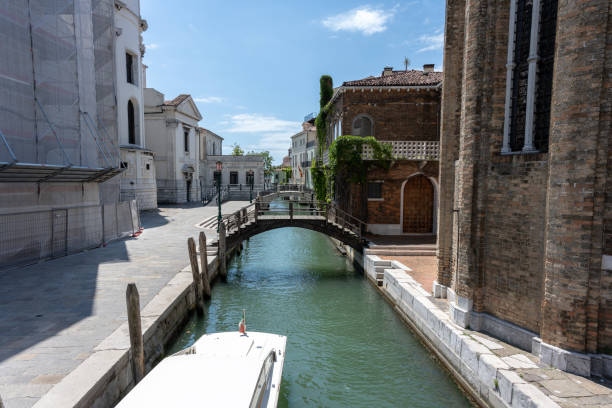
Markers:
{"x": 400, "y": 78}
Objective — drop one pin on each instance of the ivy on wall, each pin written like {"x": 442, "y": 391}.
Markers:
{"x": 326, "y": 85}
{"x": 345, "y": 157}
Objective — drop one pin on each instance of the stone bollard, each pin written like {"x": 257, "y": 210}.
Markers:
{"x": 136, "y": 342}
{"x": 197, "y": 280}
{"x": 204, "y": 266}
{"x": 221, "y": 253}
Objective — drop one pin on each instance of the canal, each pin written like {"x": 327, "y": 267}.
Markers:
{"x": 346, "y": 347}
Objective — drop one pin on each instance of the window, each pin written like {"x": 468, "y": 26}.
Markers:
{"x": 362, "y": 126}
{"x": 186, "y": 139}
{"x": 131, "y": 123}
{"x": 531, "y": 48}
{"x": 129, "y": 68}
{"x": 375, "y": 190}
{"x": 148, "y": 166}
{"x": 124, "y": 165}
{"x": 233, "y": 177}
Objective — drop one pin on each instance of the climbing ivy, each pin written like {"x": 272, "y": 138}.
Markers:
{"x": 326, "y": 85}
{"x": 319, "y": 180}
{"x": 345, "y": 157}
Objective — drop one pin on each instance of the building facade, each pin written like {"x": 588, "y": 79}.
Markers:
{"x": 303, "y": 148}
{"x": 525, "y": 237}
{"x": 138, "y": 177}
{"x": 59, "y": 193}
{"x": 172, "y": 134}
{"x": 400, "y": 108}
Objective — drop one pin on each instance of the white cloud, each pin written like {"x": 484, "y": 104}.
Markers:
{"x": 364, "y": 19}
{"x": 254, "y": 123}
{"x": 209, "y": 99}
{"x": 432, "y": 42}
{"x": 152, "y": 46}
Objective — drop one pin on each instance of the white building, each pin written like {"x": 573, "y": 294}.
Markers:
{"x": 172, "y": 134}
{"x": 303, "y": 148}
{"x": 138, "y": 179}
{"x": 59, "y": 160}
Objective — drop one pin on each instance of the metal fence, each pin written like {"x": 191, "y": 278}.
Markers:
{"x": 31, "y": 236}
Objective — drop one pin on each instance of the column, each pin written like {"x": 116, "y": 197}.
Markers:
{"x": 531, "y": 77}
{"x": 449, "y": 138}
{"x": 509, "y": 70}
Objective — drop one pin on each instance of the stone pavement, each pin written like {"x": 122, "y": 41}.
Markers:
{"x": 54, "y": 313}
{"x": 566, "y": 390}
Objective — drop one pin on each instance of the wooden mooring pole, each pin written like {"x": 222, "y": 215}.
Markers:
{"x": 204, "y": 266}
{"x": 136, "y": 341}
{"x": 221, "y": 254}
{"x": 197, "y": 280}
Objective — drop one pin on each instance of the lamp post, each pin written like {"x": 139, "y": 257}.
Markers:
{"x": 218, "y": 177}
{"x": 251, "y": 181}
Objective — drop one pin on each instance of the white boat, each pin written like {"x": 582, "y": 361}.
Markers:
{"x": 228, "y": 369}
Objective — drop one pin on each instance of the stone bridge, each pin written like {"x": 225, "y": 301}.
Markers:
{"x": 299, "y": 210}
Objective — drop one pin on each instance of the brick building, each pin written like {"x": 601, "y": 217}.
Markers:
{"x": 401, "y": 108}
{"x": 525, "y": 237}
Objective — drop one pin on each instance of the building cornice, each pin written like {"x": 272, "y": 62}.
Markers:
{"x": 373, "y": 88}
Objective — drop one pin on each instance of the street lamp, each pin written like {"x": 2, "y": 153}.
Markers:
{"x": 250, "y": 181}
{"x": 218, "y": 180}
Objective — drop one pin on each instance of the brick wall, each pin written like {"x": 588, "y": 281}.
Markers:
{"x": 527, "y": 242}
{"x": 397, "y": 114}
{"x": 388, "y": 210}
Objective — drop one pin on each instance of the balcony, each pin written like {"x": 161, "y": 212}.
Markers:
{"x": 408, "y": 150}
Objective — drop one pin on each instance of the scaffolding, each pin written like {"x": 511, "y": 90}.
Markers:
{"x": 57, "y": 113}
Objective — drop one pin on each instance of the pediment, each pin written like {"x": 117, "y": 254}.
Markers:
{"x": 189, "y": 108}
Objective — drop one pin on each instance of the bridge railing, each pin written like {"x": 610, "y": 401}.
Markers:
{"x": 296, "y": 208}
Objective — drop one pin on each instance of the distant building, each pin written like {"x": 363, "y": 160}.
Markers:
{"x": 138, "y": 178}
{"x": 173, "y": 136}
{"x": 402, "y": 109}
{"x": 303, "y": 148}
{"x": 287, "y": 160}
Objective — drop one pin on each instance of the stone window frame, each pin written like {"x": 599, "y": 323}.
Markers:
{"x": 528, "y": 145}
{"x": 359, "y": 116}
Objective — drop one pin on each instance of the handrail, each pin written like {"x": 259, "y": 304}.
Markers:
{"x": 305, "y": 207}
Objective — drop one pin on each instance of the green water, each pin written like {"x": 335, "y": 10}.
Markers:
{"x": 345, "y": 348}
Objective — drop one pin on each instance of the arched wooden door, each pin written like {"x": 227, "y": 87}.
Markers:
{"x": 418, "y": 205}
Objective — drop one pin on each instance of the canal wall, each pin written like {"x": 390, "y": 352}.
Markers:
{"x": 489, "y": 380}
{"x": 106, "y": 375}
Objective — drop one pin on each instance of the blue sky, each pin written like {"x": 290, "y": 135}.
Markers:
{"x": 253, "y": 67}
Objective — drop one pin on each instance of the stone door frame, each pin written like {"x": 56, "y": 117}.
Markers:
{"x": 434, "y": 184}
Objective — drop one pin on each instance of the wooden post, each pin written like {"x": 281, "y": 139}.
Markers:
{"x": 136, "y": 342}
{"x": 197, "y": 280}
{"x": 291, "y": 210}
{"x": 221, "y": 254}
{"x": 204, "y": 266}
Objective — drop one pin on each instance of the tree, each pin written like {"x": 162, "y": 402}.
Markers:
{"x": 236, "y": 150}
{"x": 267, "y": 160}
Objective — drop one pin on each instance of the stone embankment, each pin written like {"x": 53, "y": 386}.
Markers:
{"x": 493, "y": 372}
{"x": 106, "y": 376}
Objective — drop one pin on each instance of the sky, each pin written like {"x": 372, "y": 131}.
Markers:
{"x": 253, "y": 67}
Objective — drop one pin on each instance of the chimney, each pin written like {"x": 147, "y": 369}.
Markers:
{"x": 428, "y": 68}
{"x": 387, "y": 71}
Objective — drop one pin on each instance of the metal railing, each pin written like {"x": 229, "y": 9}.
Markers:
{"x": 297, "y": 209}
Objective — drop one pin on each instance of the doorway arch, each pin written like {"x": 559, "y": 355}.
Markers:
{"x": 418, "y": 204}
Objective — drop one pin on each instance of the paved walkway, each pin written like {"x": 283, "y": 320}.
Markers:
{"x": 54, "y": 313}
{"x": 424, "y": 268}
